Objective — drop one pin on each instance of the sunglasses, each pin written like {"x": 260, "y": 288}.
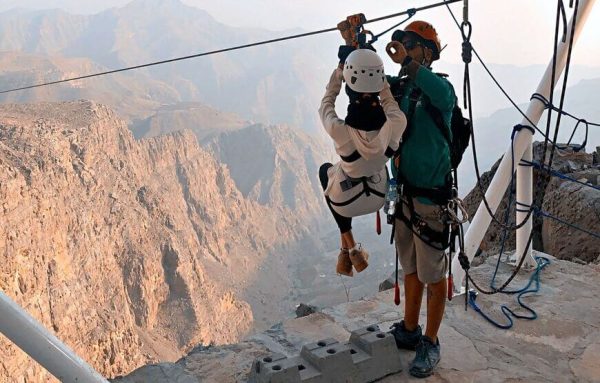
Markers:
{"x": 410, "y": 44}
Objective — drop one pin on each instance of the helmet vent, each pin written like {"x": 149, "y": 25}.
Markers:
{"x": 363, "y": 70}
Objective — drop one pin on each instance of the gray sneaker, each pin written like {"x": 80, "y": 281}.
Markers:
{"x": 427, "y": 357}
{"x": 407, "y": 340}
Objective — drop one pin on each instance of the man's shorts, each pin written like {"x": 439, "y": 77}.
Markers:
{"x": 415, "y": 255}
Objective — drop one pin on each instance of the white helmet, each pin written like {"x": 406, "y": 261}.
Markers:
{"x": 363, "y": 71}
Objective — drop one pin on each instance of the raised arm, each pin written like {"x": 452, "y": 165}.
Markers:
{"x": 394, "y": 115}
{"x": 334, "y": 126}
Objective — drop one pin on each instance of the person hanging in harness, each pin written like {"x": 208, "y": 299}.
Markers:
{"x": 364, "y": 140}
{"x": 422, "y": 168}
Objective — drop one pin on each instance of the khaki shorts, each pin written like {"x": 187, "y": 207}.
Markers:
{"x": 415, "y": 255}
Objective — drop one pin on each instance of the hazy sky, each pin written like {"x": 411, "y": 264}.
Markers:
{"x": 504, "y": 31}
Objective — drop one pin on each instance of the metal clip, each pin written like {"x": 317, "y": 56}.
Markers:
{"x": 453, "y": 204}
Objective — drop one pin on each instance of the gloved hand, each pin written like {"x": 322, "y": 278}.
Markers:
{"x": 346, "y": 30}
{"x": 396, "y": 51}
{"x": 348, "y": 27}
{"x": 369, "y": 46}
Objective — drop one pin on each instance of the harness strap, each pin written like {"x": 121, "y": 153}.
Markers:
{"x": 440, "y": 196}
{"x": 366, "y": 190}
{"x": 355, "y": 155}
{"x": 422, "y": 230}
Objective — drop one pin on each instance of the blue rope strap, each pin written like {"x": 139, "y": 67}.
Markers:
{"x": 537, "y": 165}
{"x": 508, "y": 313}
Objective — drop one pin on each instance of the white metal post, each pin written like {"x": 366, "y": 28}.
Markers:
{"x": 27, "y": 333}
{"x": 525, "y": 197}
{"x": 522, "y": 143}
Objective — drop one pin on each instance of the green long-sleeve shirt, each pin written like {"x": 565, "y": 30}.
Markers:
{"x": 424, "y": 155}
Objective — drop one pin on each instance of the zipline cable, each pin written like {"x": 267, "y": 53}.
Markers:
{"x": 411, "y": 11}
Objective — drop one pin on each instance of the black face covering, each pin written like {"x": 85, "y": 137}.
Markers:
{"x": 362, "y": 114}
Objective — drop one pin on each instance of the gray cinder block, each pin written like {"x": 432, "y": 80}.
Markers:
{"x": 370, "y": 355}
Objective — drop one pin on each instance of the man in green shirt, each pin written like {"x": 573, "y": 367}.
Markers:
{"x": 422, "y": 167}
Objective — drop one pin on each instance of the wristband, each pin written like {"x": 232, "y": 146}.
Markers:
{"x": 407, "y": 60}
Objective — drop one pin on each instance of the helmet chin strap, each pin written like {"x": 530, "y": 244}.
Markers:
{"x": 424, "y": 60}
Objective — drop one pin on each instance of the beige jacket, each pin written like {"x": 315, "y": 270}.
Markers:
{"x": 371, "y": 146}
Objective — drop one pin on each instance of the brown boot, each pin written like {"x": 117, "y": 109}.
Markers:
{"x": 359, "y": 257}
{"x": 344, "y": 266}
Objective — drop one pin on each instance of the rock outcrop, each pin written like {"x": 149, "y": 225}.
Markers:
{"x": 571, "y": 202}
{"x": 130, "y": 251}
{"x": 576, "y": 204}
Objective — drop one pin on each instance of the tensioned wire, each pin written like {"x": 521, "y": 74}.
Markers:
{"x": 410, "y": 11}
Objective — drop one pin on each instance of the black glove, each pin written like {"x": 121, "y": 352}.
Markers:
{"x": 369, "y": 46}
{"x": 344, "y": 51}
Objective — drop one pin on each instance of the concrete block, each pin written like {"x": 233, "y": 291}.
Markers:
{"x": 369, "y": 356}
{"x": 331, "y": 358}
{"x": 380, "y": 348}
{"x": 275, "y": 368}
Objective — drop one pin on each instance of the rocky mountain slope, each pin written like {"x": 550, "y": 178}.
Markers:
{"x": 132, "y": 251}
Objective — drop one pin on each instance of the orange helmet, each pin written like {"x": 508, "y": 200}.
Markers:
{"x": 426, "y": 32}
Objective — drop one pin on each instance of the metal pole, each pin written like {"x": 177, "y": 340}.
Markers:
{"x": 525, "y": 196}
{"x": 27, "y": 333}
{"x": 522, "y": 143}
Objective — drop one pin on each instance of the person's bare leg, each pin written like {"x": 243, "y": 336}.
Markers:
{"x": 436, "y": 303}
{"x": 344, "y": 265}
{"x": 348, "y": 240}
{"x": 413, "y": 295}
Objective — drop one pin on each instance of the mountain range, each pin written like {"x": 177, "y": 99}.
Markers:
{"x": 277, "y": 83}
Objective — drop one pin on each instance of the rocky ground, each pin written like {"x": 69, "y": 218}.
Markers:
{"x": 562, "y": 345}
